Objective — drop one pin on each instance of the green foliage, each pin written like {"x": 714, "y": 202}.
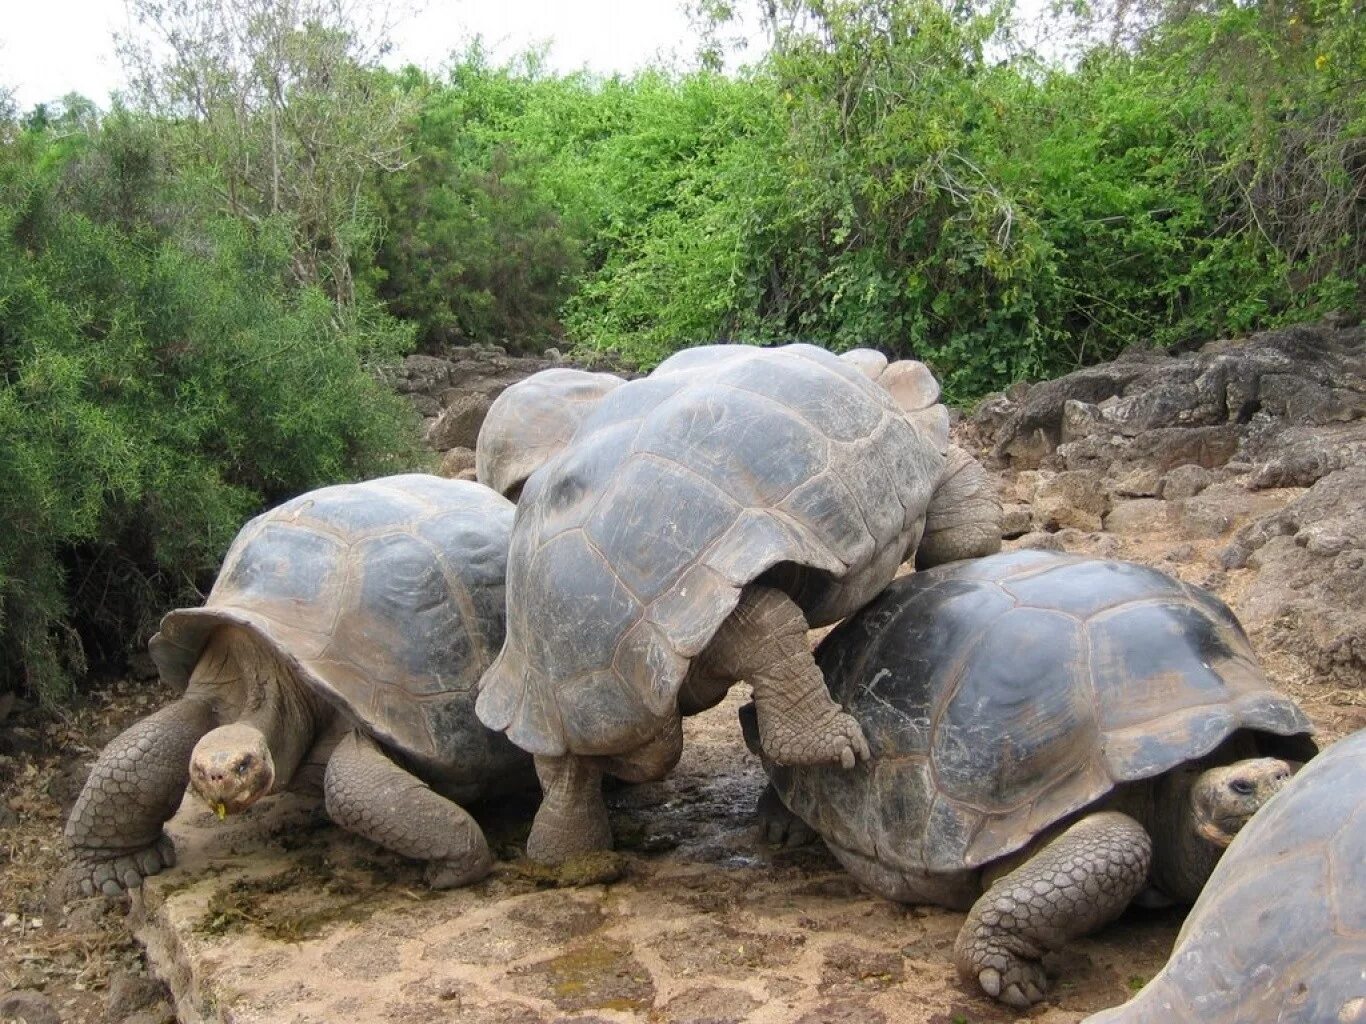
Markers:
{"x": 886, "y": 177}
{"x": 279, "y": 104}
{"x": 478, "y": 248}
{"x": 160, "y": 381}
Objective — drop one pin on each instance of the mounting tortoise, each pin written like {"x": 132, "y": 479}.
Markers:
{"x": 1051, "y": 736}
{"x": 533, "y": 420}
{"x": 1279, "y": 932}
{"x": 696, "y": 524}
{"x": 341, "y": 646}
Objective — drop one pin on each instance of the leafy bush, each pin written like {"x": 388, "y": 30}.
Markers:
{"x": 478, "y": 251}
{"x": 160, "y": 381}
{"x": 886, "y": 176}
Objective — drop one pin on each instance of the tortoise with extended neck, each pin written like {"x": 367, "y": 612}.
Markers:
{"x": 340, "y": 647}
{"x": 1051, "y": 735}
{"x": 688, "y": 534}
{"x": 1279, "y": 932}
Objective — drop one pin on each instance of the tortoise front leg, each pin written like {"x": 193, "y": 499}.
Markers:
{"x": 764, "y": 642}
{"x": 114, "y": 831}
{"x": 572, "y": 818}
{"x": 370, "y": 795}
{"x": 1078, "y": 882}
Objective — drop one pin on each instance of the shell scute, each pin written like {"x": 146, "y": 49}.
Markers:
{"x": 289, "y": 573}
{"x": 902, "y": 791}
{"x": 349, "y": 511}
{"x": 1017, "y": 712}
{"x": 1346, "y": 867}
{"x": 897, "y": 718}
{"x": 653, "y": 518}
{"x": 401, "y": 621}
{"x": 1085, "y": 588}
{"x": 627, "y": 406}
{"x": 579, "y": 598}
{"x": 700, "y": 437}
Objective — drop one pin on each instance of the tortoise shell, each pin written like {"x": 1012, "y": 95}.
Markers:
{"x": 1000, "y": 695}
{"x": 531, "y": 421}
{"x": 386, "y": 596}
{"x": 630, "y": 548}
{"x": 1279, "y": 932}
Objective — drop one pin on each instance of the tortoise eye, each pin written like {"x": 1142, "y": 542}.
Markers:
{"x": 242, "y": 768}
{"x": 1242, "y": 787}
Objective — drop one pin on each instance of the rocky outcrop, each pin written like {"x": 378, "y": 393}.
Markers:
{"x": 452, "y": 393}
{"x": 1254, "y": 448}
{"x": 1200, "y": 408}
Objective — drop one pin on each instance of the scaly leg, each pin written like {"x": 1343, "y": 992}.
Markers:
{"x": 764, "y": 642}
{"x": 572, "y": 818}
{"x": 114, "y": 831}
{"x": 1078, "y": 882}
{"x": 370, "y": 795}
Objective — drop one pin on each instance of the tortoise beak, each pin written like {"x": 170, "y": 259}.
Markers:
{"x": 221, "y": 810}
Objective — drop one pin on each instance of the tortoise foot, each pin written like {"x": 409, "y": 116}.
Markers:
{"x": 96, "y": 873}
{"x": 1012, "y": 980}
{"x": 454, "y": 872}
{"x": 821, "y": 734}
{"x": 556, "y": 838}
{"x": 572, "y": 818}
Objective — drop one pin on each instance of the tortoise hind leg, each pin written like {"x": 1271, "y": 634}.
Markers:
{"x": 370, "y": 795}
{"x": 572, "y": 818}
{"x": 1078, "y": 882}
{"x": 764, "y": 642}
{"x": 114, "y": 831}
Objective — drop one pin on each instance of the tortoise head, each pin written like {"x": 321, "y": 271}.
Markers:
{"x": 1223, "y": 799}
{"x": 231, "y": 768}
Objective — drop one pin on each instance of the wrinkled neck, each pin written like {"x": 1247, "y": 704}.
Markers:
{"x": 1183, "y": 859}
{"x": 278, "y": 703}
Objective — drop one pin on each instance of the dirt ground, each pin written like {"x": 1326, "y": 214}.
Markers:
{"x": 277, "y": 916}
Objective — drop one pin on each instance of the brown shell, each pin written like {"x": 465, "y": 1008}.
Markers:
{"x": 1002, "y": 694}
{"x": 387, "y": 596}
{"x": 631, "y": 547}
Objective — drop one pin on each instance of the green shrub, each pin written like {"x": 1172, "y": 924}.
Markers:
{"x": 160, "y": 381}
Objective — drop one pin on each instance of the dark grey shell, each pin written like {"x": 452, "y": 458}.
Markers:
{"x": 1279, "y": 931}
{"x": 387, "y": 596}
{"x": 531, "y": 422}
{"x": 631, "y": 547}
{"x": 1000, "y": 695}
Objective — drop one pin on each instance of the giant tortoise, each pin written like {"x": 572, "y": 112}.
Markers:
{"x": 1279, "y": 932}
{"x": 692, "y": 529}
{"x": 341, "y": 644}
{"x": 531, "y": 422}
{"x": 1051, "y": 735}
{"x": 534, "y": 419}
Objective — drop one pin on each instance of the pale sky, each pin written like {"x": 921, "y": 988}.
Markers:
{"x": 51, "y": 47}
